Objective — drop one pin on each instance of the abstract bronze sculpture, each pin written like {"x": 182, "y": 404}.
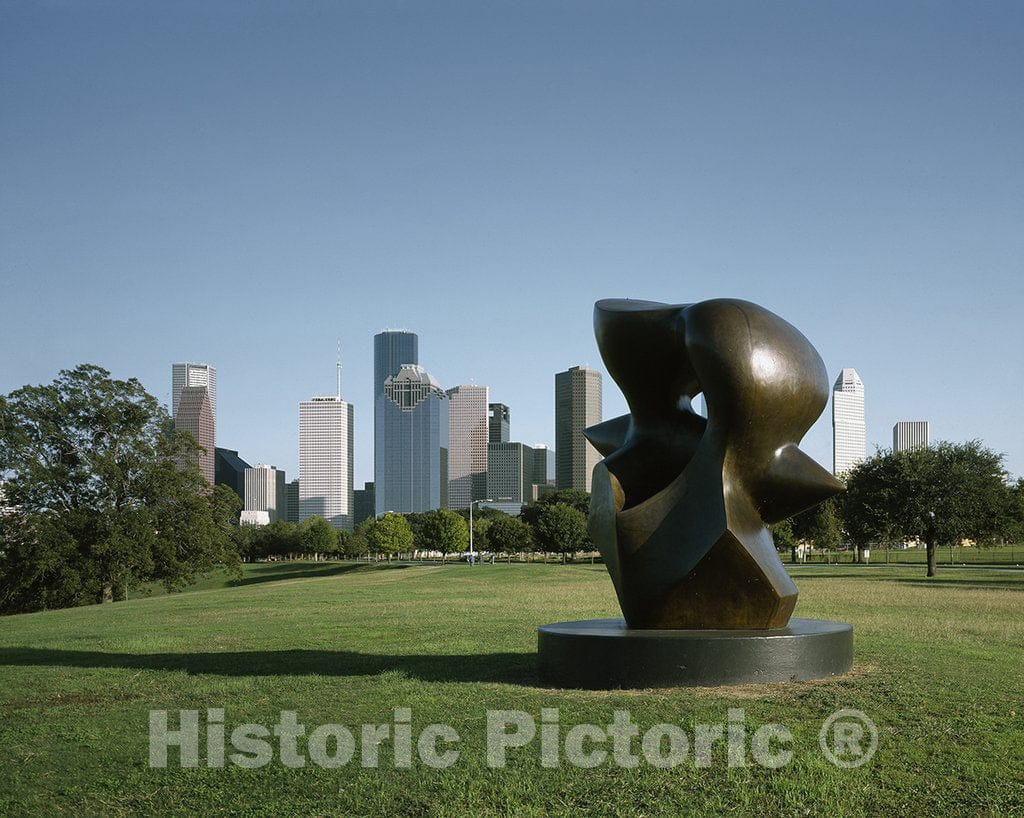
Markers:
{"x": 680, "y": 505}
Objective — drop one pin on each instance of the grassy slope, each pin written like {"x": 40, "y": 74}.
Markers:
{"x": 938, "y": 668}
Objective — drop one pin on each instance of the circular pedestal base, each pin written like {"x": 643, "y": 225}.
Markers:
{"x": 603, "y": 654}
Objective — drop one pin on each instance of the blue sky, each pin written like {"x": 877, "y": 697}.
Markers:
{"x": 245, "y": 183}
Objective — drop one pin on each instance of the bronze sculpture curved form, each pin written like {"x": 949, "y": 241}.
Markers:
{"x": 679, "y": 505}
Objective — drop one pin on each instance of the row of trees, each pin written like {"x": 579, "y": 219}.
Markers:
{"x": 556, "y": 524}
{"x": 939, "y": 496}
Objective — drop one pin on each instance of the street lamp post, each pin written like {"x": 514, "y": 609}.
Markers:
{"x": 472, "y": 503}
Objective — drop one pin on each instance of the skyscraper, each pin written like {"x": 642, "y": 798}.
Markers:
{"x": 265, "y": 493}
{"x": 291, "y": 502}
{"x": 411, "y": 436}
{"x": 910, "y": 434}
{"x": 849, "y": 435}
{"x": 511, "y": 472}
{"x": 325, "y": 460}
{"x": 194, "y": 415}
{"x": 188, "y": 374}
{"x": 497, "y": 423}
{"x": 467, "y": 445}
{"x": 577, "y": 406}
{"x": 364, "y": 503}
{"x": 543, "y": 464}
{"x": 391, "y": 349}
{"x": 229, "y": 470}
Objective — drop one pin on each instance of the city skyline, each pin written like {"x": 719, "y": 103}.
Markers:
{"x": 483, "y": 176}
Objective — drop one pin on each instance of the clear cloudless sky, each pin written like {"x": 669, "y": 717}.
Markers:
{"x": 246, "y": 184}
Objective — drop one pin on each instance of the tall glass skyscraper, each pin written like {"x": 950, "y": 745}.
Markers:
{"x": 849, "y": 432}
{"x": 411, "y": 443}
{"x": 391, "y": 349}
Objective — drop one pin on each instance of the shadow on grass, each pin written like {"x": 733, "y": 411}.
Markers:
{"x": 505, "y": 668}
{"x": 278, "y": 571}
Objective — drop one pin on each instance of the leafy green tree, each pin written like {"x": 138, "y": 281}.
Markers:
{"x": 360, "y": 542}
{"x": 445, "y": 531}
{"x": 278, "y": 539}
{"x": 508, "y": 535}
{"x": 577, "y": 499}
{"x": 418, "y": 524}
{"x": 824, "y": 528}
{"x": 317, "y": 536}
{"x": 391, "y": 535}
{"x": 342, "y": 545}
{"x": 561, "y": 528}
{"x": 941, "y": 494}
{"x": 782, "y": 534}
{"x": 1013, "y": 526}
{"x": 91, "y": 467}
{"x": 226, "y": 507}
{"x": 481, "y": 533}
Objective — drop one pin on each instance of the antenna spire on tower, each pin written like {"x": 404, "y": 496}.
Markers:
{"x": 339, "y": 369}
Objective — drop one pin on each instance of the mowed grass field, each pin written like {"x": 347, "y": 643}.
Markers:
{"x": 939, "y": 669}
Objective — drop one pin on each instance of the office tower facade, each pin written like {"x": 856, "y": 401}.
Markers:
{"x": 511, "y": 472}
{"x": 544, "y": 464}
{"x": 265, "y": 491}
{"x": 411, "y": 451}
{"x": 325, "y": 460}
{"x": 291, "y": 502}
{"x": 364, "y": 503}
{"x": 195, "y": 416}
{"x": 498, "y": 423}
{"x": 391, "y": 349}
{"x": 910, "y": 434}
{"x": 849, "y": 431}
{"x": 577, "y": 406}
{"x": 467, "y": 445}
{"x": 184, "y": 375}
{"x": 229, "y": 470}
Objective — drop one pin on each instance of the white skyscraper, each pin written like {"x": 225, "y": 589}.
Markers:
{"x": 264, "y": 494}
{"x": 325, "y": 460}
{"x": 849, "y": 433}
{"x": 468, "y": 430}
{"x": 910, "y": 434}
{"x": 187, "y": 374}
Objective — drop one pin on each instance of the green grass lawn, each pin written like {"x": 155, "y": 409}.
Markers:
{"x": 939, "y": 667}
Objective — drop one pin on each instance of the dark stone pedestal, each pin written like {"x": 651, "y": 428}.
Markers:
{"x": 603, "y": 654}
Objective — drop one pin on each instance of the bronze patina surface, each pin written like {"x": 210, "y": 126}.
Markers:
{"x": 680, "y": 504}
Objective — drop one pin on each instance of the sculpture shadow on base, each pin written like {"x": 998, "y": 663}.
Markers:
{"x": 680, "y": 505}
